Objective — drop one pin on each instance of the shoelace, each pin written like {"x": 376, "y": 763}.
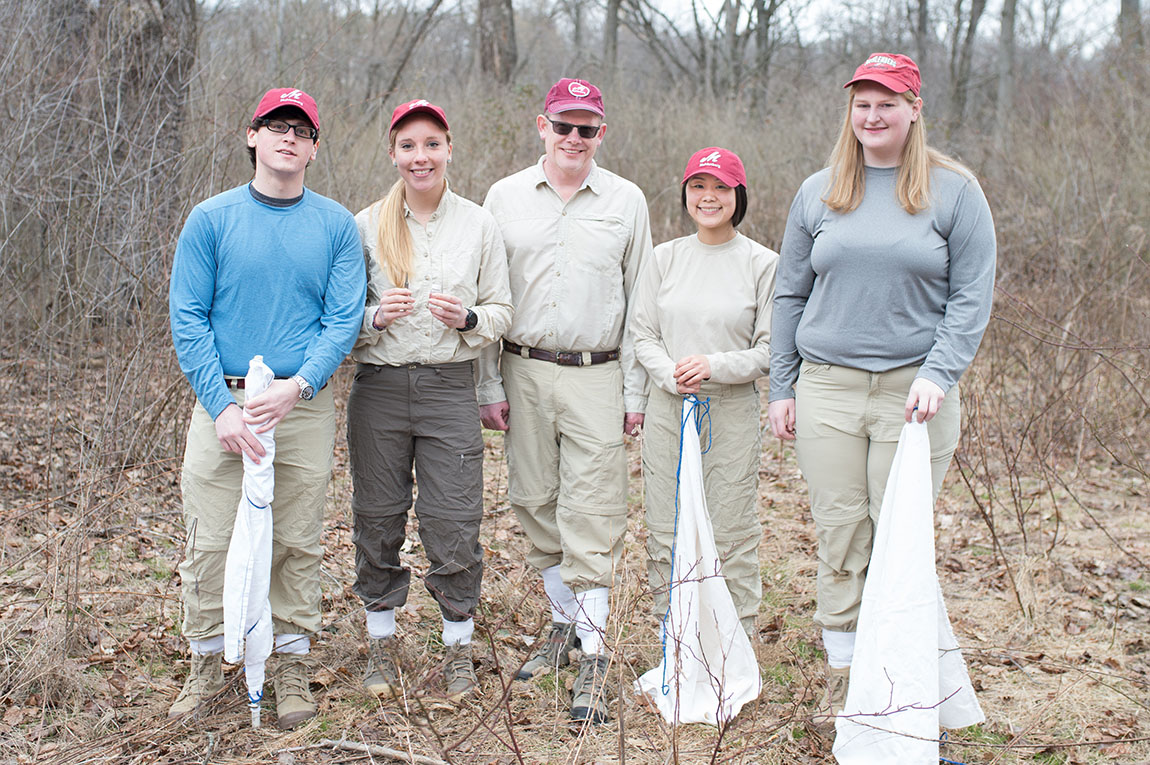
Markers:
{"x": 295, "y": 684}
{"x": 459, "y": 663}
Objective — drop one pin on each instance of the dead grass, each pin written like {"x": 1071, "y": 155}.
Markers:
{"x": 90, "y": 656}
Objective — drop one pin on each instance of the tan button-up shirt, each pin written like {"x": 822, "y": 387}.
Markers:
{"x": 573, "y": 266}
{"x": 459, "y": 252}
{"x": 713, "y": 300}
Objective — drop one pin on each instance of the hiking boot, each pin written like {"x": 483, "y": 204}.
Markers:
{"x": 551, "y": 652}
{"x": 458, "y": 671}
{"x": 382, "y": 676}
{"x": 294, "y": 702}
{"x": 589, "y": 698}
{"x": 835, "y": 698}
{"x": 205, "y": 679}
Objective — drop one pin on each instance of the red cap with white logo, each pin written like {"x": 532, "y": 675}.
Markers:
{"x": 417, "y": 106}
{"x": 568, "y": 94}
{"x": 279, "y": 98}
{"x": 724, "y": 165}
{"x": 891, "y": 70}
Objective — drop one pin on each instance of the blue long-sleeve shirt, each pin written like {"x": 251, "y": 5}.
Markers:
{"x": 249, "y": 278}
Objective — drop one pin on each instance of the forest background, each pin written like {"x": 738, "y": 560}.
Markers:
{"x": 123, "y": 114}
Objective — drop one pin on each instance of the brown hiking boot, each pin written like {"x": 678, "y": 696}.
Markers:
{"x": 294, "y": 702}
{"x": 589, "y": 697}
{"x": 551, "y": 652}
{"x": 382, "y": 676}
{"x": 205, "y": 679}
{"x": 834, "y": 698}
{"x": 459, "y": 671}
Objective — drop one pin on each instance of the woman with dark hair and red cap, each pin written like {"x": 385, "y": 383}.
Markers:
{"x": 437, "y": 293}
{"x": 884, "y": 293}
{"x": 702, "y": 327}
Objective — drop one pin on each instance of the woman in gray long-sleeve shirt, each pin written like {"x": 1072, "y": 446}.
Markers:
{"x": 883, "y": 293}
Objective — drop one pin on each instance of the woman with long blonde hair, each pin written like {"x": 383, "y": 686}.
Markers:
{"x": 884, "y": 291}
{"x": 437, "y": 293}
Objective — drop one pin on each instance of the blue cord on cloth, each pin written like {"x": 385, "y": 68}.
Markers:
{"x": 942, "y": 740}
{"x": 699, "y": 410}
{"x": 253, "y": 700}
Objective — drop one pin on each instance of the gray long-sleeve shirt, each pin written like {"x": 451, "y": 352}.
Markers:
{"x": 878, "y": 288}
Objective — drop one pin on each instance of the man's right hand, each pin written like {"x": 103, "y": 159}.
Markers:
{"x": 495, "y": 416}
{"x": 234, "y": 435}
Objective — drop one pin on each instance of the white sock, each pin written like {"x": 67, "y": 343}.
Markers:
{"x": 591, "y": 623}
{"x": 563, "y": 605}
{"x": 380, "y": 624}
{"x": 840, "y": 648}
{"x": 208, "y": 646}
{"x": 293, "y": 643}
{"x": 458, "y": 633}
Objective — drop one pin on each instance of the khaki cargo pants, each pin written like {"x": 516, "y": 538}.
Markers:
{"x": 847, "y": 426}
{"x": 731, "y": 436}
{"x": 211, "y": 486}
{"x": 567, "y": 467}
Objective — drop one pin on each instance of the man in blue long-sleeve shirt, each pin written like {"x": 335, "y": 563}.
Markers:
{"x": 275, "y": 269}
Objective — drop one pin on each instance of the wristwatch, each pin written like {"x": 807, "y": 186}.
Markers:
{"x": 470, "y": 322}
{"x": 306, "y": 392}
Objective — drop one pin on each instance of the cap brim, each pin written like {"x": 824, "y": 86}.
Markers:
{"x": 570, "y": 106}
{"x": 892, "y": 84}
{"x": 725, "y": 177}
{"x": 441, "y": 119}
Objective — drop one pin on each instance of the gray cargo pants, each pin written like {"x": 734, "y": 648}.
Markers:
{"x": 426, "y": 417}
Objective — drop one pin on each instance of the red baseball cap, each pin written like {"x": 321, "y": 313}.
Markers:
{"x": 277, "y": 98}
{"x": 724, "y": 165}
{"x": 403, "y": 111}
{"x": 891, "y": 70}
{"x": 568, "y": 94}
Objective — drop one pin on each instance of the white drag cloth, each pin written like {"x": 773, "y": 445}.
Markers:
{"x": 709, "y": 670}
{"x": 908, "y": 677}
{"x": 247, "y": 575}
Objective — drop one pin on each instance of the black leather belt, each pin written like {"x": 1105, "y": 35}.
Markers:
{"x": 562, "y": 358}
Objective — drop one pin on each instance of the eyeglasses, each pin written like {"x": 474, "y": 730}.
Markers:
{"x": 279, "y": 126}
{"x": 564, "y": 128}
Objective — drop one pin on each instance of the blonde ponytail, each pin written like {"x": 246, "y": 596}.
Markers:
{"x": 393, "y": 248}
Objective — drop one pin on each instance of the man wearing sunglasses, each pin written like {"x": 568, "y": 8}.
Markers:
{"x": 566, "y": 386}
{"x": 268, "y": 268}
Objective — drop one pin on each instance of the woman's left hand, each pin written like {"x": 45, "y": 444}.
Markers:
{"x": 448, "y": 309}
{"x": 691, "y": 372}
{"x": 926, "y": 396}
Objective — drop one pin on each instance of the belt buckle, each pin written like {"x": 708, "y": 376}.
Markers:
{"x": 569, "y": 358}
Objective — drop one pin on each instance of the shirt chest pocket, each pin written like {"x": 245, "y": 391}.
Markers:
{"x": 597, "y": 243}
{"x": 460, "y": 265}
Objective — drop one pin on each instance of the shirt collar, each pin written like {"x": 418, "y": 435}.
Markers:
{"x": 593, "y": 181}
{"x": 448, "y": 198}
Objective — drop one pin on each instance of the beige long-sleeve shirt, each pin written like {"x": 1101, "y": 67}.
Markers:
{"x": 573, "y": 267}
{"x": 459, "y": 252}
{"x": 712, "y": 300}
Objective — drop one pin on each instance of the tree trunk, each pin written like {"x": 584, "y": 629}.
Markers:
{"x": 764, "y": 11}
{"x": 961, "y": 56}
{"x": 1004, "y": 103}
{"x": 145, "y": 69}
{"x": 611, "y": 38}
{"x": 919, "y": 16}
{"x": 1130, "y": 24}
{"x": 497, "y": 51}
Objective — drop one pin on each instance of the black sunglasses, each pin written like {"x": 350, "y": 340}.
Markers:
{"x": 564, "y": 128}
{"x": 279, "y": 126}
